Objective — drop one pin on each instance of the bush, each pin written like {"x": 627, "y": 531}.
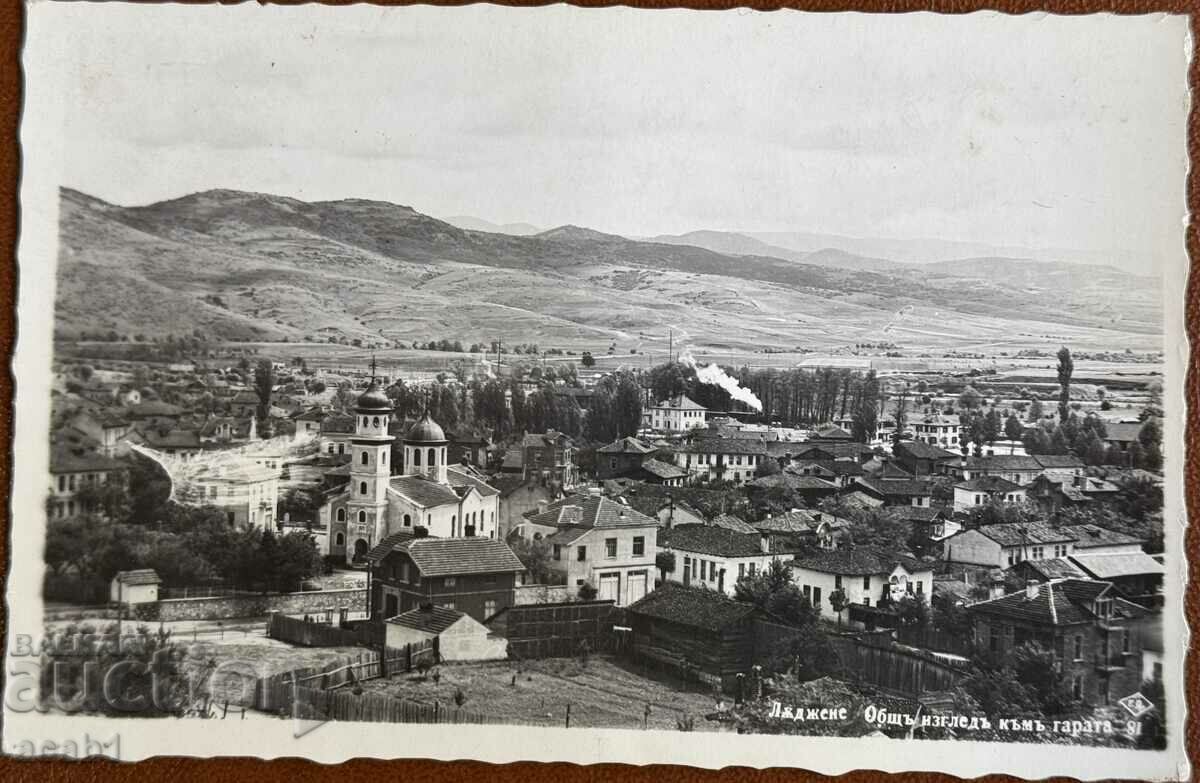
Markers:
{"x": 587, "y": 592}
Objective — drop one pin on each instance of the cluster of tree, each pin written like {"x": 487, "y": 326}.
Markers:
{"x": 123, "y": 672}
{"x": 615, "y": 410}
{"x": 799, "y": 395}
{"x": 192, "y": 546}
{"x": 805, "y": 652}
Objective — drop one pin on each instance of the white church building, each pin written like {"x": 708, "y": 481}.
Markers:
{"x": 449, "y": 501}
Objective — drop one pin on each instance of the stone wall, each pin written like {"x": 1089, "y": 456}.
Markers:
{"x": 227, "y": 607}
{"x": 524, "y": 595}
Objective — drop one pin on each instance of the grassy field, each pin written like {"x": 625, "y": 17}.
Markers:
{"x": 605, "y": 693}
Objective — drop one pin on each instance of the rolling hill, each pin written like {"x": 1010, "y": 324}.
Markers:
{"x": 257, "y": 267}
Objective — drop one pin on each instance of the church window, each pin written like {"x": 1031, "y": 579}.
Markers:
{"x": 362, "y": 517}
{"x": 341, "y": 515}
{"x": 383, "y": 458}
{"x": 432, "y": 458}
{"x": 416, "y": 458}
{"x": 365, "y": 458}
{"x": 375, "y": 422}
{"x": 407, "y": 520}
{"x": 362, "y": 487}
{"x": 341, "y": 539}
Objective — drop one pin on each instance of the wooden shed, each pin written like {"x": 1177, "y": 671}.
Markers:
{"x": 694, "y": 630}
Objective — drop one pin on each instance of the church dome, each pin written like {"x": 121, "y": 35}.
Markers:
{"x": 373, "y": 399}
{"x": 426, "y": 430}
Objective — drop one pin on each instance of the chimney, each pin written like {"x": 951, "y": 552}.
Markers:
{"x": 541, "y": 507}
{"x": 764, "y": 543}
{"x": 1031, "y": 589}
{"x": 595, "y": 492}
{"x": 996, "y": 589}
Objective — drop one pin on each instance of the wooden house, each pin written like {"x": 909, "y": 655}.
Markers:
{"x": 696, "y": 630}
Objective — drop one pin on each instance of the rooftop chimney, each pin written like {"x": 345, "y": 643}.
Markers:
{"x": 764, "y": 543}
{"x": 1031, "y": 589}
{"x": 595, "y": 492}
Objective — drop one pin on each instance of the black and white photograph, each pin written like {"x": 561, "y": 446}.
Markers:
{"x": 712, "y": 388}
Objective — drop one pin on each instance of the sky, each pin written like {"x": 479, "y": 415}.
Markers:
{"x": 1035, "y": 131}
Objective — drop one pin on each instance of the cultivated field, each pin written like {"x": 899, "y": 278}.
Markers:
{"x": 604, "y": 693}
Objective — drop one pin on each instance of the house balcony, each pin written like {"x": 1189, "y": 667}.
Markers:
{"x": 1112, "y": 662}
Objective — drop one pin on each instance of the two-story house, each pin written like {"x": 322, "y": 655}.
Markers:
{"x": 677, "y": 414}
{"x": 714, "y": 557}
{"x": 729, "y": 459}
{"x": 867, "y": 576}
{"x": 1011, "y": 467}
{"x": 920, "y": 458}
{"x": 982, "y": 490}
{"x": 475, "y": 576}
{"x": 622, "y": 457}
{"x": 551, "y": 455}
{"x": 597, "y": 541}
{"x": 73, "y": 474}
{"x": 1006, "y": 544}
{"x": 937, "y": 429}
{"x": 1094, "y": 635}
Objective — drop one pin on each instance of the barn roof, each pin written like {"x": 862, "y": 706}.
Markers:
{"x": 692, "y": 606}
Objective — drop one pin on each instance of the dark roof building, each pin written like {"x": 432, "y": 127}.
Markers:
{"x": 711, "y": 540}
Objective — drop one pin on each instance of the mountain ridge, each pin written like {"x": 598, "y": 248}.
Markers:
{"x": 252, "y": 266}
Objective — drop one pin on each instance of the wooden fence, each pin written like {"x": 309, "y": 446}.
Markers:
{"x": 557, "y": 630}
{"x": 318, "y": 693}
{"x": 310, "y": 634}
{"x": 929, "y": 639}
{"x": 893, "y": 669}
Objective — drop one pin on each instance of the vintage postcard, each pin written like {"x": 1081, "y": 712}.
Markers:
{"x": 708, "y": 388}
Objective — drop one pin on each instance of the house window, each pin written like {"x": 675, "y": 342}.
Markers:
{"x": 816, "y": 597}
{"x": 1077, "y": 686}
{"x": 920, "y": 587}
{"x": 404, "y": 572}
{"x": 741, "y": 571}
{"x": 808, "y": 592}
{"x": 866, "y": 583}
{"x": 837, "y": 582}
{"x": 610, "y": 548}
{"x": 330, "y": 448}
{"x": 1038, "y": 552}
{"x": 581, "y": 553}
{"x": 703, "y": 570}
{"x": 1079, "y": 648}
{"x": 448, "y": 605}
{"x": 62, "y": 483}
{"x": 1060, "y": 550}
{"x": 341, "y": 448}
{"x": 639, "y": 546}
{"x": 449, "y": 581}
{"x": 557, "y": 552}
{"x": 489, "y": 608}
{"x": 1125, "y": 642}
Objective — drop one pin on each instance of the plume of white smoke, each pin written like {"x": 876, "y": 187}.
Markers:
{"x": 714, "y": 375}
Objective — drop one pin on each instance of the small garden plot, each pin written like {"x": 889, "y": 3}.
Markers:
{"x": 603, "y": 693}
{"x": 236, "y": 662}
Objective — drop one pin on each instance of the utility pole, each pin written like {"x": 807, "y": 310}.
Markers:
{"x": 671, "y": 344}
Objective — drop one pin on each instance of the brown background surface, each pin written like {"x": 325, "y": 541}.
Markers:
{"x": 291, "y": 770}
